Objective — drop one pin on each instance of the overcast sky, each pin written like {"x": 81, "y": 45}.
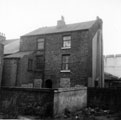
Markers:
{"x": 18, "y": 17}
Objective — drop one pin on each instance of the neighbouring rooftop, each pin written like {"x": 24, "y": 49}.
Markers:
{"x": 11, "y": 46}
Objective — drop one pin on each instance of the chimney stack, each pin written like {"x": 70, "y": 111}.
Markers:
{"x": 61, "y": 23}
{"x": 2, "y": 37}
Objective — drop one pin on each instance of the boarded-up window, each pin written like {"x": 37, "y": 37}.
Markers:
{"x": 64, "y": 82}
{"x": 40, "y": 43}
{"x": 38, "y": 83}
{"x": 65, "y": 62}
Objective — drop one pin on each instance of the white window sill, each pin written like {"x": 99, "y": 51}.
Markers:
{"x": 65, "y": 71}
{"x": 65, "y": 47}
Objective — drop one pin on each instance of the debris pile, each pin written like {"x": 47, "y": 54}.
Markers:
{"x": 90, "y": 113}
{"x": 96, "y": 111}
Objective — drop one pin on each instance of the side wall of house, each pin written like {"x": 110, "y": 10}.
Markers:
{"x": 96, "y": 55}
{"x": 112, "y": 64}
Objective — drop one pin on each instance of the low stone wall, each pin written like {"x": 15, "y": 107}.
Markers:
{"x": 26, "y": 101}
{"x": 69, "y": 98}
{"x": 41, "y": 103}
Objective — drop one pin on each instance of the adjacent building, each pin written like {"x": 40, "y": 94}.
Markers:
{"x": 112, "y": 64}
{"x": 65, "y": 55}
{"x": 111, "y": 81}
{"x": 11, "y": 46}
{"x": 2, "y": 38}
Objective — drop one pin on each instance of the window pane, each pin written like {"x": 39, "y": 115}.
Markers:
{"x": 40, "y": 45}
{"x": 39, "y": 62}
{"x": 41, "y": 40}
{"x": 63, "y": 66}
{"x": 65, "y": 62}
{"x": 67, "y": 43}
{"x": 30, "y": 62}
{"x": 66, "y": 66}
{"x": 67, "y": 38}
{"x": 66, "y": 59}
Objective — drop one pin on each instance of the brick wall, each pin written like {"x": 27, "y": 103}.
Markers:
{"x": 78, "y": 58}
{"x": 28, "y": 43}
{"x": 53, "y": 55}
{"x": 24, "y": 76}
{"x": 10, "y": 72}
{"x": 21, "y": 101}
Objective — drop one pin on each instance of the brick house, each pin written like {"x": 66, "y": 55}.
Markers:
{"x": 65, "y": 55}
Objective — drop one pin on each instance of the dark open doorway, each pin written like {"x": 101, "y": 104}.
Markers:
{"x": 48, "y": 83}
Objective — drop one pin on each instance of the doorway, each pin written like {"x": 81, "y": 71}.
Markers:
{"x": 48, "y": 83}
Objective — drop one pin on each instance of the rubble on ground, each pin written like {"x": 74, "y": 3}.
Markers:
{"x": 87, "y": 113}
{"x": 90, "y": 113}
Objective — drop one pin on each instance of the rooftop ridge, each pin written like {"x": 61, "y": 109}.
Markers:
{"x": 67, "y": 27}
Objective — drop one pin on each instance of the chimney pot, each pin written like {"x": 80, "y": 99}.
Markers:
{"x": 2, "y": 37}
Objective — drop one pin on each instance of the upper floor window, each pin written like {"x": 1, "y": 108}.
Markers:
{"x": 65, "y": 62}
{"x": 67, "y": 42}
{"x": 30, "y": 64}
{"x": 40, "y": 43}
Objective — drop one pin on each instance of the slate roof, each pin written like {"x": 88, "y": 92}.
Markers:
{"x": 67, "y": 27}
{"x": 11, "y": 46}
{"x": 5, "y": 42}
{"x": 19, "y": 54}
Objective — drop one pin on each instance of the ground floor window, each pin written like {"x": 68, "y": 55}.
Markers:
{"x": 64, "y": 82}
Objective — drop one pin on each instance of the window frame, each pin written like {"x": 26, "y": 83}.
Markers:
{"x": 66, "y": 40}
{"x": 39, "y": 65}
{"x": 30, "y": 64}
{"x": 65, "y": 79}
{"x": 40, "y": 41}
